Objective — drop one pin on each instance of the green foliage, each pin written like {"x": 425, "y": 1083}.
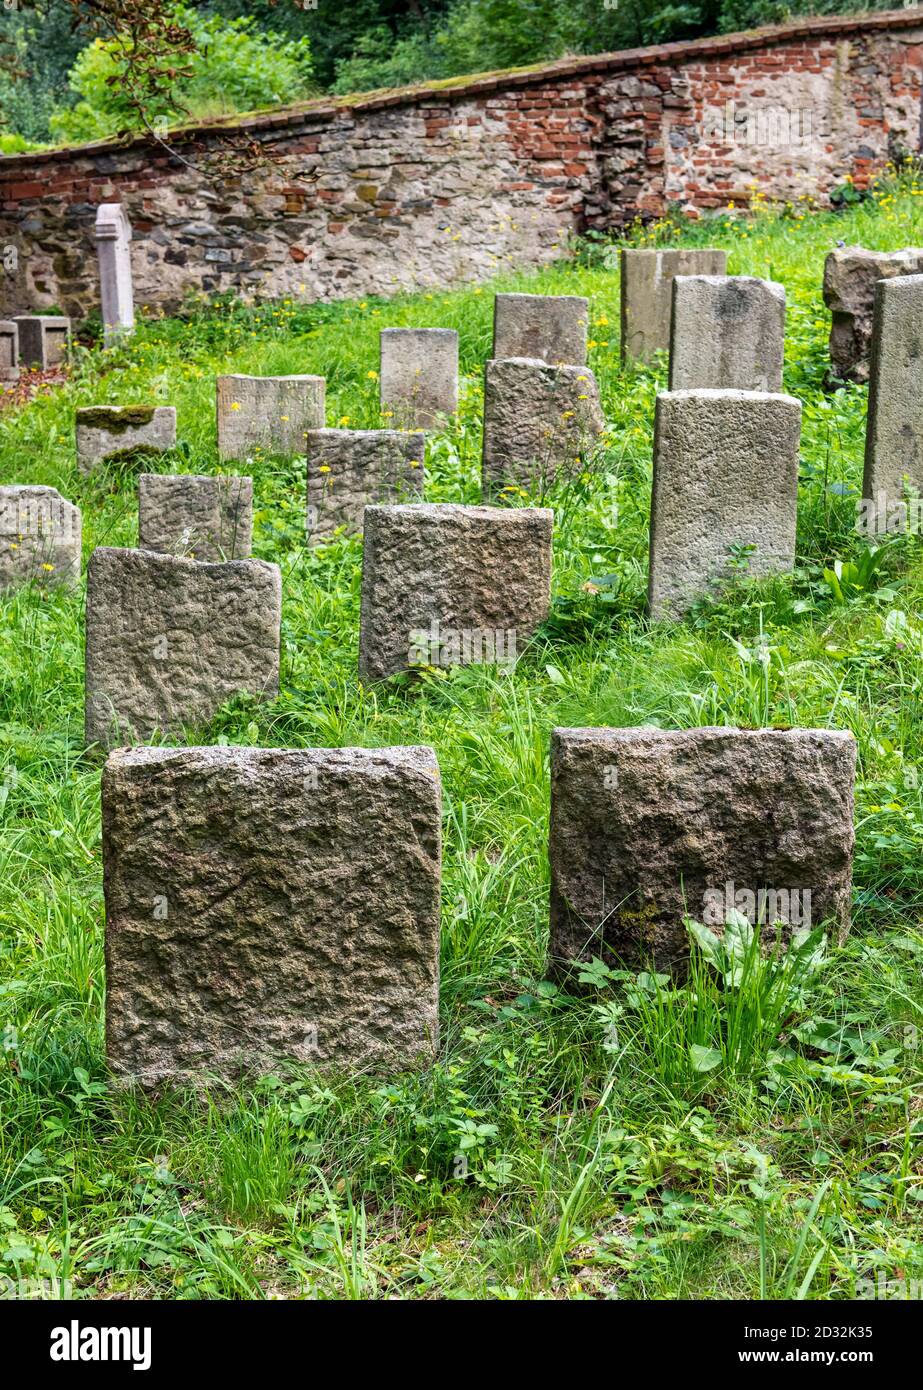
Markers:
{"x": 752, "y": 1131}
{"x": 235, "y": 67}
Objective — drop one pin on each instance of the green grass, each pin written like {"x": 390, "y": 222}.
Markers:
{"x": 743, "y": 1140}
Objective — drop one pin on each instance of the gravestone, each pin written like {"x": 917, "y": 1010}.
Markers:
{"x": 40, "y": 533}
{"x": 113, "y": 251}
{"x": 447, "y": 585}
{"x": 350, "y": 469}
{"x": 850, "y": 276}
{"x": 646, "y": 291}
{"x": 265, "y": 905}
{"x": 728, "y": 332}
{"x": 418, "y": 376}
{"x": 550, "y": 327}
{"x": 539, "y": 421}
{"x": 120, "y": 433}
{"x": 268, "y": 414}
{"x": 9, "y": 350}
{"x": 894, "y": 430}
{"x": 43, "y": 339}
{"x": 725, "y": 492}
{"x": 649, "y": 825}
{"x": 206, "y": 518}
{"x": 170, "y": 640}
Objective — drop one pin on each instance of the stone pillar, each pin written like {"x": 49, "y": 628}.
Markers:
{"x": 113, "y": 249}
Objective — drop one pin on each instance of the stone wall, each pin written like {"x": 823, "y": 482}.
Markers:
{"x": 437, "y": 185}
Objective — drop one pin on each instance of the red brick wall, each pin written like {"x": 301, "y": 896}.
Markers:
{"x": 435, "y": 186}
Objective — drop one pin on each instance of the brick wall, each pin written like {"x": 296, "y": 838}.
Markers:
{"x": 438, "y": 185}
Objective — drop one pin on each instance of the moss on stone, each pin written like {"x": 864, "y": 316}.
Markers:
{"x": 115, "y": 418}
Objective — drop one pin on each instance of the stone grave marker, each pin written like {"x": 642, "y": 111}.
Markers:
{"x": 170, "y": 640}
{"x": 540, "y": 422}
{"x": 271, "y": 414}
{"x": 550, "y": 327}
{"x": 418, "y": 376}
{"x": 265, "y": 905}
{"x": 203, "y": 517}
{"x": 651, "y": 825}
{"x": 446, "y": 585}
{"x": 351, "y": 469}
{"x": 728, "y": 332}
{"x": 850, "y": 276}
{"x": 113, "y": 251}
{"x": 646, "y": 293}
{"x": 120, "y": 433}
{"x": 40, "y": 536}
{"x": 43, "y": 339}
{"x": 725, "y": 492}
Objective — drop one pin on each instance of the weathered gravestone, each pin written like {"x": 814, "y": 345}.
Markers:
{"x": 205, "y": 518}
{"x": 446, "y": 585}
{"x": 894, "y": 431}
{"x": 725, "y": 492}
{"x": 728, "y": 332}
{"x": 418, "y": 376}
{"x": 9, "y": 350}
{"x": 540, "y": 422}
{"x": 170, "y": 640}
{"x": 350, "y": 469}
{"x": 271, "y": 414}
{"x": 646, "y": 290}
{"x": 113, "y": 251}
{"x": 850, "y": 276}
{"x": 649, "y": 825}
{"x": 550, "y": 327}
{"x": 121, "y": 433}
{"x": 43, "y": 339}
{"x": 40, "y": 534}
{"x": 270, "y": 904}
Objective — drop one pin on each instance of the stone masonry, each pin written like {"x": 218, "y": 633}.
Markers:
{"x": 437, "y": 186}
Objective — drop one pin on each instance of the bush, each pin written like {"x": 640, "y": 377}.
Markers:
{"x": 235, "y": 67}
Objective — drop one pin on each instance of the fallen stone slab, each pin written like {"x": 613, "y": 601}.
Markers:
{"x": 122, "y": 433}
{"x": 40, "y": 537}
{"x": 203, "y": 517}
{"x": 170, "y": 640}
{"x": 541, "y": 423}
{"x": 351, "y": 469}
{"x": 446, "y": 585}
{"x": 549, "y": 327}
{"x": 646, "y": 291}
{"x": 725, "y": 492}
{"x": 649, "y": 825}
{"x": 267, "y": 414}
{"x": 728, "y": 333}
{"x": 850, "y": 276}
{"x": 267, "y": 905}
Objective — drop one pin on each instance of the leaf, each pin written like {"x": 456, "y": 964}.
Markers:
{"x": 704, "y": 1058}
{"x": 555, "y": 676}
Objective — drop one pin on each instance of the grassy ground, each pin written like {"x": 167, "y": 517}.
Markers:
{"x": 639, "y": 1142}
